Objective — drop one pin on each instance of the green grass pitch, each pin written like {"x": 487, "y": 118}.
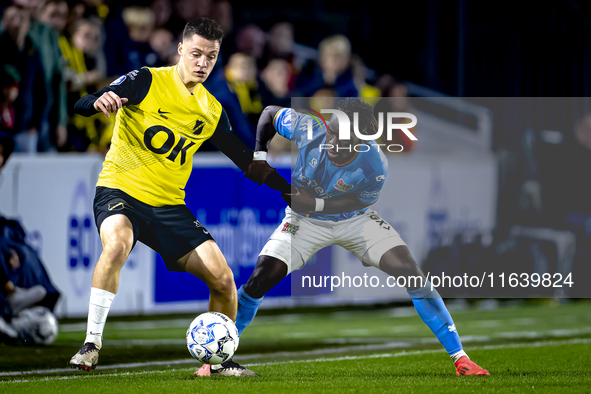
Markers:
{"x": 539, "y": 347}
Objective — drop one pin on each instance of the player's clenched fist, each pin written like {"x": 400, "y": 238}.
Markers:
{"x": 109, "y": 103}
{"x": 258, "y": 171}
{"x": 300, "y": 200}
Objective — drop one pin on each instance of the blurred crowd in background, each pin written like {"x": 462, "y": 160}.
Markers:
{"x": 56, "y": 51}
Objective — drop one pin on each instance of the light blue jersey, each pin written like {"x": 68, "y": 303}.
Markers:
{"x": 363, "y": 175}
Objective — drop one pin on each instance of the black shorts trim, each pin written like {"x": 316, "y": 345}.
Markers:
{"x": 171, "y": 230}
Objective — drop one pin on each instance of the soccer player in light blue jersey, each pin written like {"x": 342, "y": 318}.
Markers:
{"x": 337, "y": 181}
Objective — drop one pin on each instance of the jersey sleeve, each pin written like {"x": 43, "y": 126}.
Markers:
{"x": 295, "y": 126}
{"x": 282, "y": 122}
{"x": 229, "y": 144}
{"x": 134, "y": 86}
{"x": 374, "y": 182}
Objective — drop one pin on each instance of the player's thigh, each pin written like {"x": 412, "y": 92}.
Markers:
{"x": 118, "y": 217}
{"x": 296, "y": 239}
{"x": 368, "y": 237}
{"x": 174, "y": 233}
{"x": 208, "y": 263}
{"x": 117, "y": 238}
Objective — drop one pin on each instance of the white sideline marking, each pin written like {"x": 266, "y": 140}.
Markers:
{"x": 135, "y": 325}
{"x": 465, "y": 338}
{"x": 172, "y": 323}
{"x": 147, "y": 342}
{"x": 344, "y": 349}
{"x": 316, "y": 360}
{"x": 354, "y": 331}
{"x": 419, "y": 352}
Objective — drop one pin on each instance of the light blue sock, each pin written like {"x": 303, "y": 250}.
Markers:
{"x": 247, "y": 309}
{"x": 432, "y": 310}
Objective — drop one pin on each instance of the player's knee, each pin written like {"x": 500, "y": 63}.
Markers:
{"x": 268, "y": 272}
{"x": 117, "y": 239}
{"x": 223, "y": 285}
{"x": 115, "y": 252}
{"x": 399, "y": 261}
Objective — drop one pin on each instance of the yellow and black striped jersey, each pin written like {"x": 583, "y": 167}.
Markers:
{"x": 157, "y": 132}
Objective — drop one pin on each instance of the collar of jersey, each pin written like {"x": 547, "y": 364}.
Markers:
{"x": 345, "y": 163}
{"x": 181, "y": 86}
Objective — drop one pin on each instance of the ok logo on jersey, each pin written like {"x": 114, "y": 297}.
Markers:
{"x": 180, "y": 146}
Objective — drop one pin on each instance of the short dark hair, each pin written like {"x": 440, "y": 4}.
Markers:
{"x": 204, "y": 27}
{"x": 367, "y": 121}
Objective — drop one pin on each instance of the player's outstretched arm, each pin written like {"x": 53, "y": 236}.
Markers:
{"x": 265, "y": 128}
{"x": 264, "y": 134}
{"x": 258, "y": 169}
{"x": 236, "y": 150}
{"x": 108, "y": 103}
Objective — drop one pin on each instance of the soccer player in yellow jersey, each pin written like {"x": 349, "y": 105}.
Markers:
{"x": 163, "y": 115}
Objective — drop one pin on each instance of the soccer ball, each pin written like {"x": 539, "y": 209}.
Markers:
{"x": 212, "y": 338}
{"x": 36, "y": 325}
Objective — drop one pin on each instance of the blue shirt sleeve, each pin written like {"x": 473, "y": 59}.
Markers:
{"x": 229, "y": 144}
{"x": 296, "y": 127}
{"x": 282, "y": 122}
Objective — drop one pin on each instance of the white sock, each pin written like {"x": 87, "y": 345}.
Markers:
{"x": 98, "y": 309}
{"x": 456, "y": 356}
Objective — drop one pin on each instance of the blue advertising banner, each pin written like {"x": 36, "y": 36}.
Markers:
{"x": 423, "y": 195}
{"x": 241, "y": 216}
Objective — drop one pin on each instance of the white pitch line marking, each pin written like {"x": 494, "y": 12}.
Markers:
{"x": 316, "y": 360}
{"x": 409, "y": 342}
{"x": 556, "y": 333}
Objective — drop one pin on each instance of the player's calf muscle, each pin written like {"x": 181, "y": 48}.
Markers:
{"x": 107, "y": 269}
{"x": 208, "y": 264}
{"x": 223, "y": 297}
{"x": 117, "y": 240}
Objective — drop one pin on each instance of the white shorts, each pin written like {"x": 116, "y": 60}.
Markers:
{"x": 297, "y": 238}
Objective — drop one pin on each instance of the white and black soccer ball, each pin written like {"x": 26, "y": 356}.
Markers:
{"x": 212, "y": 338}
{"x": 36, "y": 325}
